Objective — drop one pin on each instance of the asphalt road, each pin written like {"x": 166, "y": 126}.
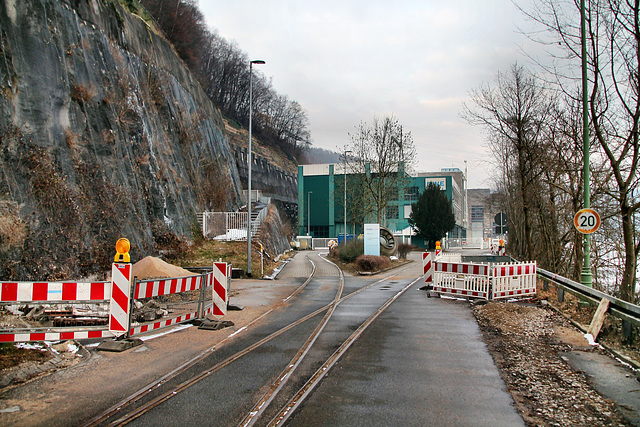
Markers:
{"x": 422, "y": 362}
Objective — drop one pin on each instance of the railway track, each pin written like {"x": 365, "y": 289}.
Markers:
{"x": 314, "y": 331}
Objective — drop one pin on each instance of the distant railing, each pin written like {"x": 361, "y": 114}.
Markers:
{"x": 225, "y": 225}
{"x": 231, "y": 225}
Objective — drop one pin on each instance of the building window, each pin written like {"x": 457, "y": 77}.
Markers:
{"x": 319, "y": 231}
{"x": 391, "y": 212}
{"x": 477, "y": 213}
{"x": 412, "y": 193}
{"x": 393, "y": 194}
{"x": 407, "y": 211}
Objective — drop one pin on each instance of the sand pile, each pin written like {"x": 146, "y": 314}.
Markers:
{"x": 155, "y": 268}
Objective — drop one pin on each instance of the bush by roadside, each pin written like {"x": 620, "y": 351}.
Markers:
{"x": 372, "y": 263}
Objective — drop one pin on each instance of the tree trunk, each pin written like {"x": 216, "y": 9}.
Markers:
{"x": 627, "y": 286}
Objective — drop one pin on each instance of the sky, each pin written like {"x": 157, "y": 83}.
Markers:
{"x": 348, "y": 61}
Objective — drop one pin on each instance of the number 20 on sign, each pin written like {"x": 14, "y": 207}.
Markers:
{"x": 587, "y": 221}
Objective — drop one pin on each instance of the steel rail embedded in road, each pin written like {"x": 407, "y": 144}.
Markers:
{"x": 177, "y": 371}
{"x": 308, "y": 387}
{"x": 276, "y": 386}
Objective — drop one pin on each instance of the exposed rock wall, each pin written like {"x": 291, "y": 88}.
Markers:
{"x": 265, "y": 176}
{"x": 104, "y": 134}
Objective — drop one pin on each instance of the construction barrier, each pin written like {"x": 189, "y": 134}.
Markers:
{"x": 487, "y": 281}
{"x": 44, "y": 292}
{"x": 221, "y": 274}
{"x": 119, "y": 295}
{"x": 511, "y": 280}
{"x": 470, "y": 280}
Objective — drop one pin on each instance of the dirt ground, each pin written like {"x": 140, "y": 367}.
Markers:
{"x": 527, "y": 343}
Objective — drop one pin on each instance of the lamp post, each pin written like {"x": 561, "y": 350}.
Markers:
{"x": 309, "y": 213}
{"x": 345, "y": 195}
{"x": 249, "y": 161}
{"x": 586, "y": 266}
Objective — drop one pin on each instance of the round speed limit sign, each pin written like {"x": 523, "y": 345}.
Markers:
{"x": 586, "y": 221}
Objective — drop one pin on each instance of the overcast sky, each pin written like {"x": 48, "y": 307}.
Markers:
{"x": 346, "y": 61}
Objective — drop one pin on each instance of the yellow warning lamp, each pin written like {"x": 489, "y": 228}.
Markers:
{"x": 122, "y": 249}
{"x": 438, "y": 245}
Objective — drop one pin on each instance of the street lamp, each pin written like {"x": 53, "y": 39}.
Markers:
{"x": 586, "y": 265}
{"x": 249, "y": 161}
{"x": 309, "y": 213}
{"x": 345, "y": 194}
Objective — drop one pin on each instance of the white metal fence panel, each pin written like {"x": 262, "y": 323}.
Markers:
{"x": 471, "y": 280}
{"x": 321, "y": 242}
{"x": 225, "y": 225}
{"x": 514, "y": 280}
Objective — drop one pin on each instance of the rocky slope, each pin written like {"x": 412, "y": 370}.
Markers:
{"x": 104, "y": 133}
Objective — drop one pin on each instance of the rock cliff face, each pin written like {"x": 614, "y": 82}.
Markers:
{"x": 104, "y": 134}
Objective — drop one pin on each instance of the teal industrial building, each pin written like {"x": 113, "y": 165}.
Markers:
{"x": 322, "y": 190}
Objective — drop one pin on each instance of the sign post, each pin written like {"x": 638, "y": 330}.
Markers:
{"x": 372, "y": 239}
{"x": 586, "y": 221}
{"x": 501, "y": 221}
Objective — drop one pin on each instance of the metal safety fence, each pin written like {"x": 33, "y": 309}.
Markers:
{"x": 486, "y": 281}
{"x": 52, "y": 311}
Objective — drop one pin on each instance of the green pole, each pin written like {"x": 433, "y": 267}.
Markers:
{"x": 586, "y": 265}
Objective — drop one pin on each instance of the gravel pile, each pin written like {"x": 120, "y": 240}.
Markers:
{"x": 545, "y": 388}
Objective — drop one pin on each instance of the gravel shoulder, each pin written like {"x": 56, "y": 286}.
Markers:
{"x": 531, "y": 345}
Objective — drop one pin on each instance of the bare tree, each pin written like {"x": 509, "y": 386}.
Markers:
{"x": 514, "y": 112}
{"x": 383, "y": 154}
{"x": 613, "y": 34}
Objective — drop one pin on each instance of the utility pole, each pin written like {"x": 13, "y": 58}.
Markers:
{"x": 586, "y": 265}
{"x": 249, "y": 162}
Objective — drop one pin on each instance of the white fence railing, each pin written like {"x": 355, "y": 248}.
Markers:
{"x": 225, "y": 225}
{"x": 231, "y": 225}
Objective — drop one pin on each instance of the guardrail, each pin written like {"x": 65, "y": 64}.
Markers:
{"x": 622, "y": 309}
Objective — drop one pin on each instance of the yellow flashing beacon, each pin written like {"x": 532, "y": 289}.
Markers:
{"x": 122, "y": 249}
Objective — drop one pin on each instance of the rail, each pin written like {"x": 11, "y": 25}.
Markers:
{"x": 622, "y": 309}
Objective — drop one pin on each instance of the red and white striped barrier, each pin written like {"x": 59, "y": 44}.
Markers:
{"x": 221, "y": 274}
{"x": 162, "y": 323}
{"x": 118, "y": 292}
{"x": 427, "y": 267}
{"x": 488, "y": 281}
{"x": 155, "y": 288}
{"x": 511, "y": 280}
{"x": 120, "y": 307}
{"x": 471, "y": 280}
{"x": 54, "y": 336}
{"x": 54, "y": 291}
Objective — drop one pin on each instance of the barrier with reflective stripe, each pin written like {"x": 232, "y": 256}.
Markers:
{"x": 514, "y": 280}
{"x": 427, "y": 267}
{"x": 488, "y": 281}
{"x": 54, "y": 335}
{"x": 155, "y": 288}
{"x": 471, "y": 280}
{"x": 120, "y": 293}
{"x": 221, "y": 274}
{"x": 54, "y": 291}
